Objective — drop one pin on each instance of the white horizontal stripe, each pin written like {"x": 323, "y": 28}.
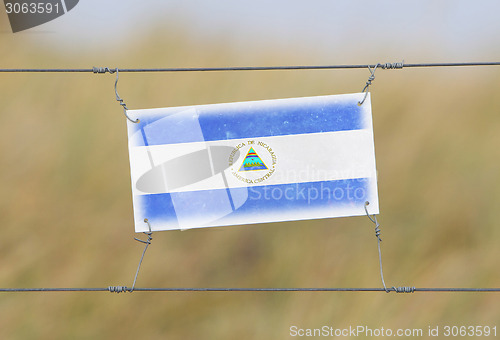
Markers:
{"x": 299, "y": 158}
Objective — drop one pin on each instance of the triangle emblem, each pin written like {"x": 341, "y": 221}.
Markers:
{"x": 252, "y": 162}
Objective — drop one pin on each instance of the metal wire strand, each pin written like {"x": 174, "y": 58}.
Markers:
{"x": 118, "y": 99}
{"x": 250, "y": 68}
{"x": 147, "y": 242}
{"x": 120, "y": 289}
{"x": 368, "y": 83}
{"x": 377, "y": 234}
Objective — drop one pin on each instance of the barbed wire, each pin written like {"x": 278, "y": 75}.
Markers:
{"x": 398, "y": 65}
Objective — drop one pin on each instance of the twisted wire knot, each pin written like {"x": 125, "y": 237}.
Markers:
{"x": 371, "y": 78}
{"x": 378, "y": 231}
{"x": 369, "y": 81}
{"x": 374, "y": 220}
{"x": 377, "y": 234}
{"x": 103, "y": 70}
{"x": 392, "y": 66}
{"x": 119, "y": 100}
{"x": 403, "y": 289}
{"x": 117, "y": 289}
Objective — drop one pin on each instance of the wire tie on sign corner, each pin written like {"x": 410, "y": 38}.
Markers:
{"x": 147, "y": 243}
{"x": 121, "y": 289}
{"x": 377, "y": 234}
{"x": 379, "y": 239}
{"x": 385, "y": 66}
{"x": 374, "y": 220}
{"x": 102, "y": 70}
{"x": 148, "y": 233}
{"x": 120, "y": 100}
{"x": 368, "y": 82}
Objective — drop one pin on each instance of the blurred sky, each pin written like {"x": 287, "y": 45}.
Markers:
{"x": 344, "y": 31}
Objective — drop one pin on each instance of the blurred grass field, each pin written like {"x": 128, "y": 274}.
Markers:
{"x": 66, "y": 208}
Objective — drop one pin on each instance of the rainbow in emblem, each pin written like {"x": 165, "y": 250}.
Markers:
{"x": 252, "y": 162}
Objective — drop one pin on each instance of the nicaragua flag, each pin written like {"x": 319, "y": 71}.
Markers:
{"x": 252, "y": 162}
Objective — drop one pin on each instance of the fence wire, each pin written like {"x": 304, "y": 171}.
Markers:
{"x": 123, "y": 289}
{"x": 398, "y": 65}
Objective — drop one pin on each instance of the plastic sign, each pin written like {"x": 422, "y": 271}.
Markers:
{"x": 252, "y": 162}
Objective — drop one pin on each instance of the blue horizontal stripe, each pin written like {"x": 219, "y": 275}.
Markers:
{"x": 247, "y": 120}
{"x": 262, "y": 200}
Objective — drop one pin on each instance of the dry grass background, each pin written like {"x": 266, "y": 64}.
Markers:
{"x": 66, "y": 209}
